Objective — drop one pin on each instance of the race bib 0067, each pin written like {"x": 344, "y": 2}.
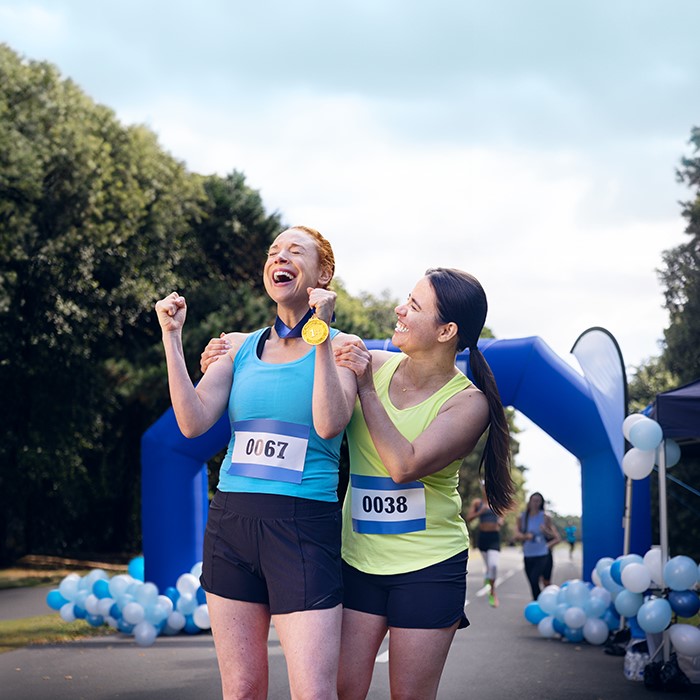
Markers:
{"x": 269, "y": 449}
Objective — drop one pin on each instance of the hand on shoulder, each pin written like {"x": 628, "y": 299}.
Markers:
{"x": 226, "y": 343}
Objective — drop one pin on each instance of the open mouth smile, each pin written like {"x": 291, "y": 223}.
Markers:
{"x": 283, "y": 276}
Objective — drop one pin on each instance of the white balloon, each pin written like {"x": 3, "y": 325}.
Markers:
{"x": 176, "y": 621}
{"x": 187, "y": 583}
{"x": 595, "y": 630}
{"x": 91, "y": 603}
{"x": 166, "y": 603}
{"x": 133, "y": 613}
{"x": 638, "y": 464}
{"x": 575, "y": 617}
{"x": 104, "y": 606}
{"x": 652, "y": 560}
{"x": 95, "y": 575}
{"x": 629, "y": 422}
{"x": 145, "y": 634}
{"x": 636, "y": 578}
{"x": 601, "y": 592}
{"x": 201, "y": 617}
{"x": 548, "y": 601}
{"x": 186, "y": 604}
{"x": 686, "y": 639}
{"x": 196, "y": 570}
{"x": 672, "y": 451}
{"x": 118, "y": 585}
{"x": 546, "y": 627}
{"x": 146, "y": 594}
{"x": 67, "y": 612}
{"x": 68, "y": 587}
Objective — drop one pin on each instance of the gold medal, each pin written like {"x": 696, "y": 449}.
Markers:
{"x": 315, "y": 331}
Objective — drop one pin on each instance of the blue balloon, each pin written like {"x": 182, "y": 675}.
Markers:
{"x": 616, "y": 571}
{"x": 172, "y": 593}
{"x": 595, "y": 606}
{"x": 190, "y": 626}
{"x": 573, "y": 635}
{"x": 680, "y": 573}
{"x": 79, "y": 612}
{"x": 201, "y": 596}
{"x": 101, "y": 588}
{"x": 577, "y": 593}
{"x": 608, "y": 583}
{"x": 684, "y": 603}
{"x": 136, "y": 568}
{"x": 534, "y": 613}
{"x": 603, "y": 563}
{"x": 646, "y": 434}
{"x": 94, "y": 620}
{"x": 559, "y": 626}
{"x": 654, "y": 615}
{"x": 124, "y": 626}
{"x": 55, "y": 600}
{"x": 628, "y": 603}
{"x": 636, "y": 631}
{"x": 612, "y": 618}
{"x": 560, "y": 611}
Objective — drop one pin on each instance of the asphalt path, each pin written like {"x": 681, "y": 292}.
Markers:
{"x": 499, "y": 656}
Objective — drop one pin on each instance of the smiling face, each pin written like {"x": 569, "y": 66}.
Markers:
{"x": 293, "y": 265}
{"x": 418, "y": 322}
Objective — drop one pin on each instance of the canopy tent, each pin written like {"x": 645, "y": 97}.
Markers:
{"x": 678, "y": 412}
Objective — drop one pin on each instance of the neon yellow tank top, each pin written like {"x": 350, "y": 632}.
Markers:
{"x": 393, "y": 528}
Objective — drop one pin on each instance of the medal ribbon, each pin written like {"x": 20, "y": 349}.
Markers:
{"x": 284, "y": 331}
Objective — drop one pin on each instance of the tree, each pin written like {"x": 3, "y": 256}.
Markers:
{"x": 681, "y": 277}
{"x": 91, "y": 219}
{"x": 679, "y": 362}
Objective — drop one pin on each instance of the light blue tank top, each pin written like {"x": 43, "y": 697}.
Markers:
{"x": 278, "y": 450}
{"x": 536, "y": 547}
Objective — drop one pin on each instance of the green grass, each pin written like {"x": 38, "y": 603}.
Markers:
{"x": 29, "y": 579}
{"x": 50, "y": 628}
{"x": 45, "y": 629}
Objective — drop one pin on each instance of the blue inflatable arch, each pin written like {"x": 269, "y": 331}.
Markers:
{"x": 531, "y": 378}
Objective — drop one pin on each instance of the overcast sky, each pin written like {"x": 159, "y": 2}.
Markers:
{"x": 533, "y": 144}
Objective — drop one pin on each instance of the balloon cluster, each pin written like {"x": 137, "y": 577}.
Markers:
{"x": 645, "y": 435}
{"x": 576, "y": 611}
{"x": 652, "y": 596}
{"x": 129, "y": 605}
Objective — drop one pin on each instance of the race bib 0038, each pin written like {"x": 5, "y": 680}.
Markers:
{"x": 382, "y": 507}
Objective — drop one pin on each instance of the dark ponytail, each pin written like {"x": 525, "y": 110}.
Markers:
{"x": 496, "y": 457}
{"x": 461, "y": 300}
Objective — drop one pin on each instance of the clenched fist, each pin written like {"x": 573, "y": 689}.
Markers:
{"x": 171, "y": 312}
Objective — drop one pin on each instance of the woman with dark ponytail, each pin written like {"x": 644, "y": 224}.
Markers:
{"x": 405, "y": 544}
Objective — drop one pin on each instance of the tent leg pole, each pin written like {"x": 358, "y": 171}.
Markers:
{"x": 628, "y": 515}
{"x": 663, "y": 527}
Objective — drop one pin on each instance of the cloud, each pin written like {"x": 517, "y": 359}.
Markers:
{"x": 32, "y": 25}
